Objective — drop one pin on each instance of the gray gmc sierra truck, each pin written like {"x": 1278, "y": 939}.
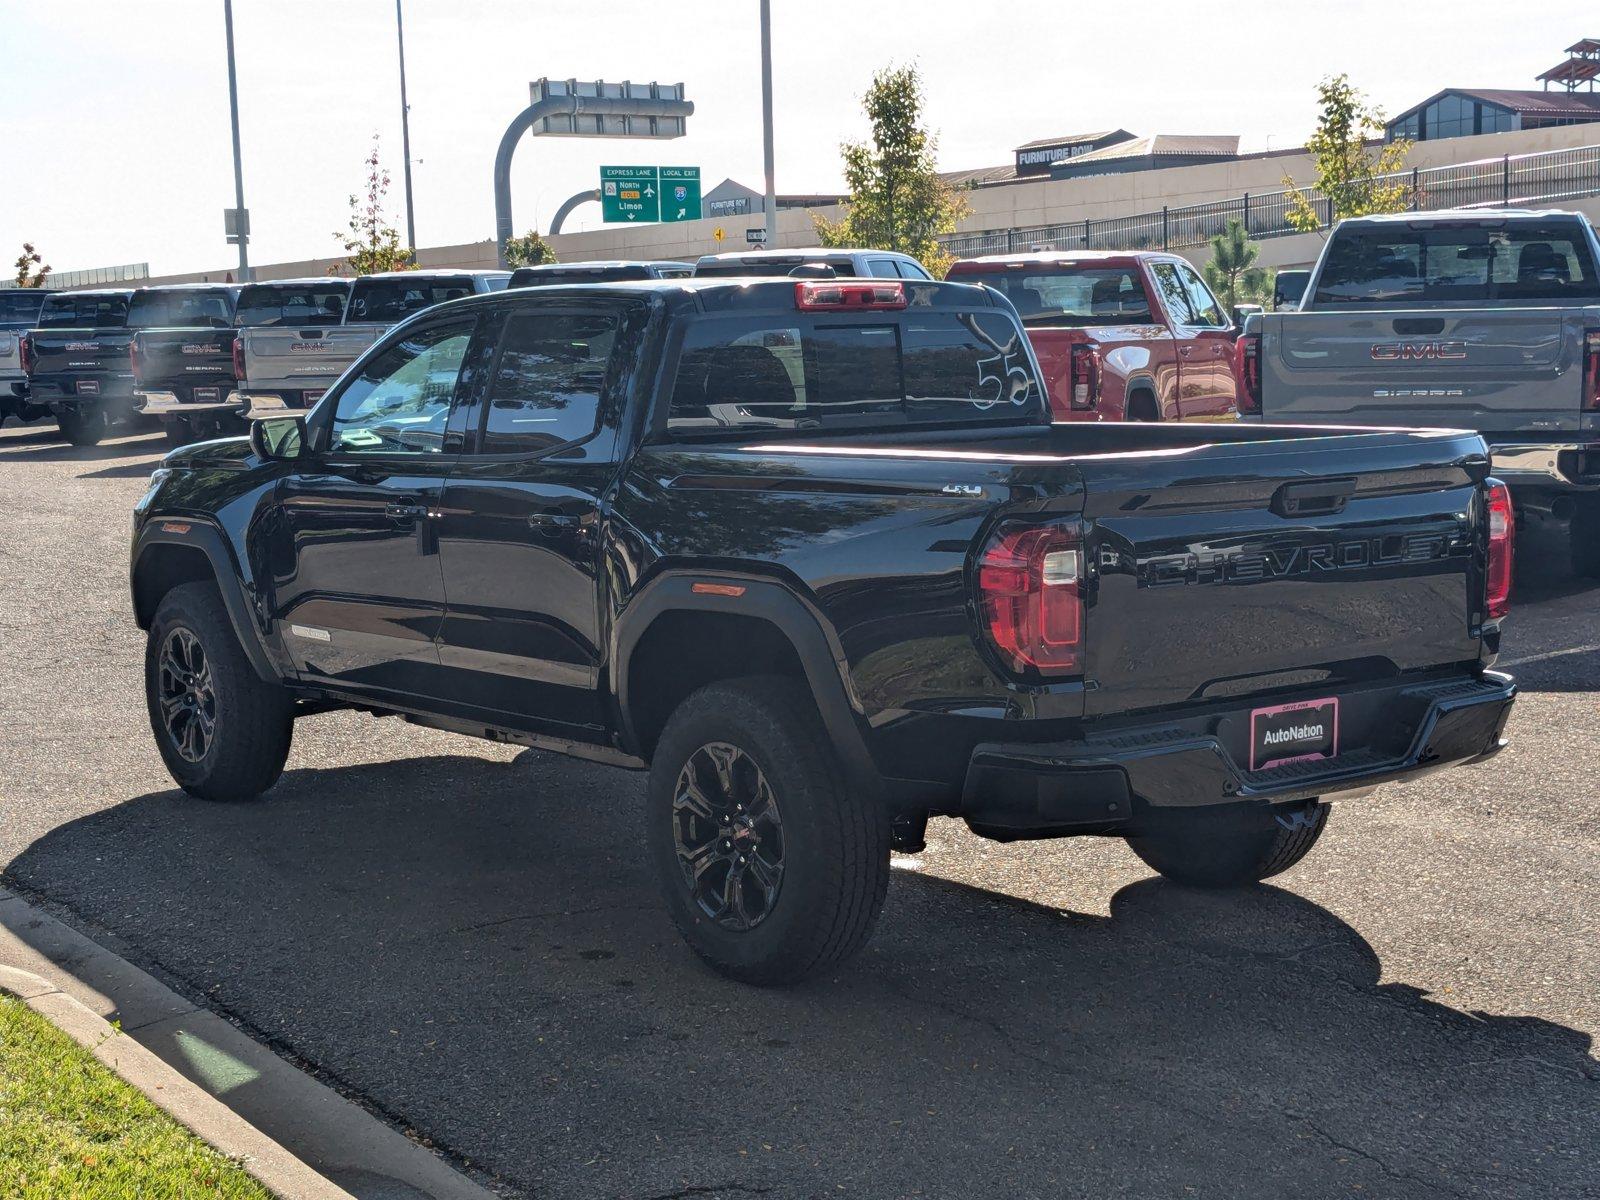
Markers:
{"x": 1468, "y": 319}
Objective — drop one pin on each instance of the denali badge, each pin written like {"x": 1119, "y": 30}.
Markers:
{"x": 1405, "y": 351}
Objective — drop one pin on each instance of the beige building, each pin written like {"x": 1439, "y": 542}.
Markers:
{"x": 1015, "y": 204}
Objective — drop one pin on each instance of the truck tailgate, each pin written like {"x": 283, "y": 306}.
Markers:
{"x": 1497, "y": 370}
{"x": 1236, "y": 568}
{"x": 171, "y": 358}
{"x": 302, "y": 358}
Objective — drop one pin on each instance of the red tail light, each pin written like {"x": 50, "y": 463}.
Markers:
{"x": 25, "y": 352}
{"x": 238, "y": 358}
{"x": 1247, "y": 371}
{"x": 1502, "y": 532}
{"x": 1085, "y": 365}
{"x": 821, "y": 296}
{"x": 1030, "y": 581}
{"x": 1591, "y": 369}
{"x": 133, "y": 358}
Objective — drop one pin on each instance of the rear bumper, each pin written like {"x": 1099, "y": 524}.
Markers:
{"x": 167, "y": 403}
{"x": 1550, "y": 466}
{"x": 1115, "y": 781}
{"x": 63, "y": 393}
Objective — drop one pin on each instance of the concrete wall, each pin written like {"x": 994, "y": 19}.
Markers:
{"x": 1018, "y": 205}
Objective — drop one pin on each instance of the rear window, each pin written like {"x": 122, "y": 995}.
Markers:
{"x": 21, "y": 307}
{"x": 1098, "y": 296}
{"x": 805, "y": 373}
{"x": 180, "y": 310}
{"x": 528, "y": 278}
{"x": 1529, "y": 262}
{"x": 69, "y": 310}
{"x": 386, "y": 301}
{"x": 291, "y": 304}
{"x": 771, "y": 266}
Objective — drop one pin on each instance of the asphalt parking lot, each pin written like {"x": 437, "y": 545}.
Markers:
{"x": 464, "y": 937}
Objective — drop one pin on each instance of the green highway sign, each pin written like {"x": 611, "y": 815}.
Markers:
{"x": 635, "y": 194}
{"x": 680, "y": 193}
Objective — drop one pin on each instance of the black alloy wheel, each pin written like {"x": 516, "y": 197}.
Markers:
{"x": 728, "y": 835}
{"x": 187, "y": 697}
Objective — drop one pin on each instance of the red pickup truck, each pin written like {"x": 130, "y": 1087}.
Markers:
{"x": 1121, "y": 336}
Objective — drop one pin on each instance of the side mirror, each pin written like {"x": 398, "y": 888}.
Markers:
{"x": 1243, "y": 312}
{"x": 278, "y": 437}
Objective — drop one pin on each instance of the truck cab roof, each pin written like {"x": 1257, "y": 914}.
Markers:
{"x": 843, "y": 259}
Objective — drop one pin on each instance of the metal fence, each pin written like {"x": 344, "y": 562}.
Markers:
{"x": 1513, "y": 181}
{"x": 125, "y": 273}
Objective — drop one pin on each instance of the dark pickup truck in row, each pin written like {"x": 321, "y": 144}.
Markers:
{"x": 76, "y": 358}
{"x": 812, "y": 553}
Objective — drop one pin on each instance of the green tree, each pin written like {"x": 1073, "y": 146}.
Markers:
{"x": 370, "y": 242}
{"x": 1232, "y": 273}
{"x": 529, "y": 250}
{"x": 1349, "y": 173}
{"x": 32, "y": 270}
{"x": 897, "y": 200}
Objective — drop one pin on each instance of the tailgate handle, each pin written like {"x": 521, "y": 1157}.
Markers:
{"x": 1418, "y": 325}
{"x": 316, "y": 333}
{"x": 1314, "y": 498}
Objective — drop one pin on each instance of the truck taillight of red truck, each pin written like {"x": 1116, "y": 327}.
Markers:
{"x": 1120, "y": 336}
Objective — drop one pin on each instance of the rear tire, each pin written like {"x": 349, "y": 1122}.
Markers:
{"x": 1583, "y": 538}
{"x": 83, "y": 426}
{"x": 222, "y": 730}
{"x": 178, "y": 433}
{"x": 771, "y": 866}
{"x": 1208, "y": 852}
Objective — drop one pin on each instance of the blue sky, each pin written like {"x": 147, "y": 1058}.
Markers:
{"x": 115, "y": 122}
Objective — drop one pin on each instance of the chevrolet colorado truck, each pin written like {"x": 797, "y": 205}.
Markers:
{"x": 19, "y": 312}
{"x": 813, "y": 554}
{"x": 1121, "y": 336}
{"x": 76, "y": 358}
{"x": 1472, "y": 319}
{"x": 182, "y": 356}
{"x": 289, "y": 365}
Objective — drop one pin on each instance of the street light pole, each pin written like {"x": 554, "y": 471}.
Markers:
{"x": 238, "y": 166}
{"x": 405, "y": 125}
{"x": 766, "y": 120}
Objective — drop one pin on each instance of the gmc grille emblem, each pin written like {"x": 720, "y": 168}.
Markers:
{"x": 1405, "y": 351}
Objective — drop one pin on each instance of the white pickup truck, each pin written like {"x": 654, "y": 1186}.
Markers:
{"x": 290, "y": 363}
{"x": 19, "y": 312}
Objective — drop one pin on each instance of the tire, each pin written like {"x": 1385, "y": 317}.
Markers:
{"x": 829, "y": 844}
{"x": 178, "y": 433}
{"x": 1211, "y": 852}
{"x": 1583, "y": 538}
{"x": 251, "y": 721}
{"x": 83, "y": 426}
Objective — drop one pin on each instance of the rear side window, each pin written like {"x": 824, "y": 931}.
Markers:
{"x": 385, "y": 301}
{"x": 800, "y": 372}
{"x": 1531, "y": 262}
{"x": 21, "y": 307}
{"x": 180, "y": 310}
{"x": 78, "y": 311}
{"x": 545, "y": 390}
{"x": 1072, "y": 297}
{"x": 292, "y": 304}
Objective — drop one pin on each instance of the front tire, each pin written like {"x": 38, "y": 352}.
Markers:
{"x": 222, "y": 730}
{"x": 1214, "y": 852}
{"x": 84, "y": 425}
{"x": 772, "y": 867}
{"x": 1583, "y": 538}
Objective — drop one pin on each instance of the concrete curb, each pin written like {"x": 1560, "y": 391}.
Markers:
{"x": 300, "y": 1138}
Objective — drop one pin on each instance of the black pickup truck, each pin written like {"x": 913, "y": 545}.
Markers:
{"x": 812, "y": 554}
{"x": 76, "y": 358}
{"x": 182, "y": 356}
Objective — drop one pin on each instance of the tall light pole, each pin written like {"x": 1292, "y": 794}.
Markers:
{"x": 238, "y": 166}
{"x": 405, "y": 125}
{"x": 766, "y": 119}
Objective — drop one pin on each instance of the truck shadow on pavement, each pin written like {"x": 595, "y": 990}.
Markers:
{"x": 476, "y": 950}
{"x": 49, "y": 447}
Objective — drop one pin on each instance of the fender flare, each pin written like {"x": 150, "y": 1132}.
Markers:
{"x": 816, "y": 645}
{"x": 193, "y": 533}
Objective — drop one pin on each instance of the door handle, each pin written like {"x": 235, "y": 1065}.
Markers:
{"x": 552, "y": 519}
{"x": 404, "y": 511}
{"x": 1183, "y": 351}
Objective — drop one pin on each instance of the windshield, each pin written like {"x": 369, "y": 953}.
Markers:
{"x": 1069, "y": 296}
{"x": 292, "y": 304}
{"x": 806, "y": 373}
{"x": 771, "y": 266}
{"x": 180, "y": 310}
{"x": 20, "y": 308}
{"x": 385, "y": 301}
{"x": 82, "y": 310}
{"x": 530, "y": 278}
{"x": 1466, "y": 263}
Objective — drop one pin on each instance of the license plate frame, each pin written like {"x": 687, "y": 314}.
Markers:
{"x": 311, "y": 396}
{"x": 1287, "y": 720}
{"x": 87, "y": 387}
{"x": 206, "y": 395}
